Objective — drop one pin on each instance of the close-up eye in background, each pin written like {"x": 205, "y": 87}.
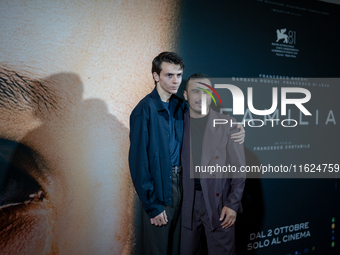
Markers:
{"x": 17, "y": 185}
{"x": 67, "y": 88}
{"x": 25, "y": 213}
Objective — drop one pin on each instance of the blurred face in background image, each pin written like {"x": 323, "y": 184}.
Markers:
{"x": 70, "y": 74}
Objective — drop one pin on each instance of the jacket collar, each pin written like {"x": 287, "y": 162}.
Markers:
{"x": 158, "y": 102}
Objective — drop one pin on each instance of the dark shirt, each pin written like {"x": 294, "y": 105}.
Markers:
{"x": 149, "y": 155}
{"x": 197, "y": 128}
{"x": 174, "y": 145}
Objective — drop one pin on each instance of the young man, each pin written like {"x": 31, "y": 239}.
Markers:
{"x": 209, "y": 204}
{"x": 156, "y": 134}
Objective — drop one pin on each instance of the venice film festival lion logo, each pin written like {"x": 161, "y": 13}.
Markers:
{"x": 281, "y": 35}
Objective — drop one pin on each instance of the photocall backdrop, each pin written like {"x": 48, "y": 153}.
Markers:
{"x": 72, "y": 71}
{"x": 266, "y": 44}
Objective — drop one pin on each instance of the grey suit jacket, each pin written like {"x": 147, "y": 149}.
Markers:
{"x": 220, "y": 189}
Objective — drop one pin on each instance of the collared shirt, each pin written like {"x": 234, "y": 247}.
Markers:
{"x": 174, "y": 144}
{"x": 149, "y": 155}
{"x": 197, "y": 128}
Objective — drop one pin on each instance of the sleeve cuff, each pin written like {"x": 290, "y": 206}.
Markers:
{"x": 158, "y": 209}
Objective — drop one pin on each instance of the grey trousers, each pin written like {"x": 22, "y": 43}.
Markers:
{"x": 164, "y": 240}
{"x": 219, "y": 240}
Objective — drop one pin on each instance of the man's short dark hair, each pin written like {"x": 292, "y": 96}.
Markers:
{"x": 196, "y": 76}
{"x": 169, "y": 57}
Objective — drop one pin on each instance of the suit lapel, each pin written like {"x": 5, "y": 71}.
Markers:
{"x": 211, "y": 138}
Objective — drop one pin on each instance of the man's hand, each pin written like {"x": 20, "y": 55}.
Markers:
{"x": 160, "y": 219}
{"x": 230, "y": 217}
{"x": 239, "y": 136}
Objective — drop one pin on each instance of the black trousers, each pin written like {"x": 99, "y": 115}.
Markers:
{"x": 164, "y": 240}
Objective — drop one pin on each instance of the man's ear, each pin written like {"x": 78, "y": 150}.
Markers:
{"x": 185, "y": 94}
{"x": 155, "y": 76}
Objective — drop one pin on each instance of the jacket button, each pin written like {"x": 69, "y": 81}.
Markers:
{"x": 217, "y": 194}
{"x": 169, "y": 199}
{"x": 217, "y": 157}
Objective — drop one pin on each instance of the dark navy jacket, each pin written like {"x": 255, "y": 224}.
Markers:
{"x": 149, "y": 155}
